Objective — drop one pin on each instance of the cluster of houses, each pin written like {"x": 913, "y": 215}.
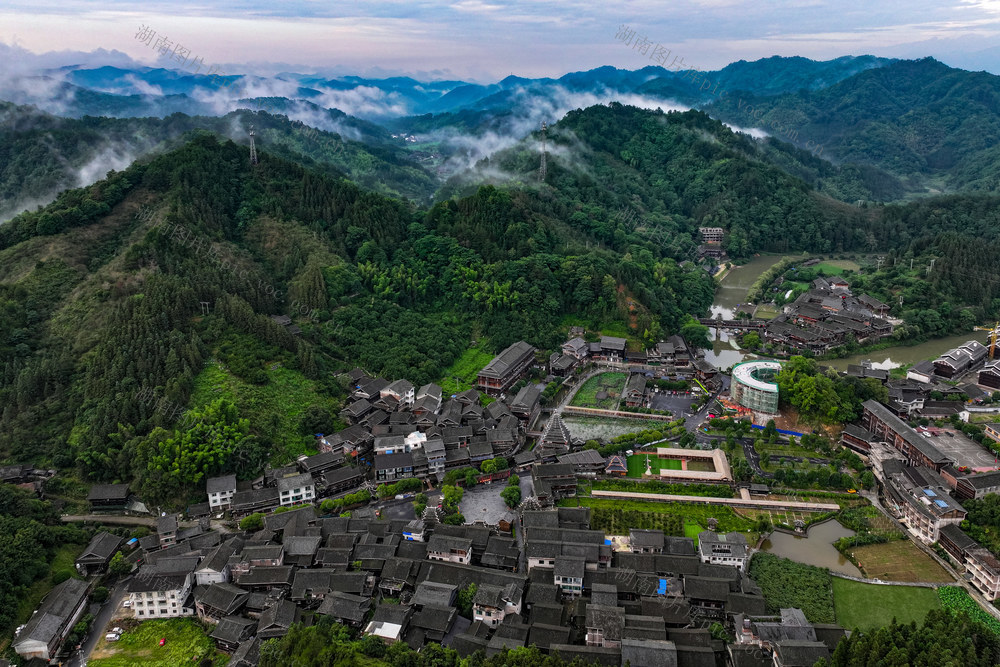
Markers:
{"x": 647, "y": 600}
{"x": 923, "y": 488}
{"x": 912, "y": 396}
{"x": 673, "y": 352}
{"x": 826, "y": 315}
{"x": 406, "y": 432}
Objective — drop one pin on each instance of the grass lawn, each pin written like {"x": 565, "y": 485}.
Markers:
{"x": 465, "y": 368}
{"x": 63, "y": 560}
{"x": 766, "y": 312}
{"x": 787, "y": 450}
{"x": 613, "y": 383}
{"x": 275, "y": 408}
{"x": 692, "y": 529}
{"x": 186, "y": 639}
{"x": 865, "y": 606}
{"x": 899, "y": 560}
{"x": 836, "y": 267}
{"x": 637, "y": 465}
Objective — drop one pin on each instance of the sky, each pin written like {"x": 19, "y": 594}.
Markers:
{"x": 486, "y": 40}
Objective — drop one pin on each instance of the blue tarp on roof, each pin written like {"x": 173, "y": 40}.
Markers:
{"x": 940, "y": 503}
{"x": 662, "y": 588}
{"x": 929, "y": 492}
{"x": 607, "y": 542}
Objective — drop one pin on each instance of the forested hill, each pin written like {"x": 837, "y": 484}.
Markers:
{"x": 676, "y": 172}
{"x": 935, "y": 125}
{"x": 158, "y": 283}
{"x": 151, "y": 291}
{"x": 42, "y": 155}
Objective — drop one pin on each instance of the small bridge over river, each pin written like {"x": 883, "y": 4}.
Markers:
{"x": 734, "y": 324}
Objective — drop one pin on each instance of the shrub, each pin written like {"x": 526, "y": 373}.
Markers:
{"x": 252, "y": 523}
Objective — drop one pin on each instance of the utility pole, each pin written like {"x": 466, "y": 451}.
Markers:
{"x": 542, "y": 170}
{"x": 911, "y": 264}
{"x": 204, "y": 307}
{"x": 253, "y": 148}
{"x": 931, "y": 267}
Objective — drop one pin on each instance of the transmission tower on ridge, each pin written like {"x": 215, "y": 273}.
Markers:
{"x": 253, "y": 148}
{"x": 542, "y": 170}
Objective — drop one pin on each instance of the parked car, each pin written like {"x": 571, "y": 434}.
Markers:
{"x": 112, "y": 637}
{"x": 127, "y": 603}
{"x": 163, "y": 641}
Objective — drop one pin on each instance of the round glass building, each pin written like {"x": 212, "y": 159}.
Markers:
{"x": 753, "y": 386}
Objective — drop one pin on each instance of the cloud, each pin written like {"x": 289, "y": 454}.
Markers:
{"x": 142, "y": 87}
{"x": 754, "y": 132}
{"x": 110, "y": 156}
{"x": 363, "y": 101}
{"x": 532, "y": 105}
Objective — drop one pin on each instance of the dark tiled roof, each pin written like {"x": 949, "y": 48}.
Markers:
{"x": 232, "y": 629}
{"x": 503, "y": 362}
{"x": 102, "y": 546}
{"x": 221, "y": 484}
{"x": 108, "y": 492}
{"x": 224, "y": 596}
{"x": 345, "y": 606}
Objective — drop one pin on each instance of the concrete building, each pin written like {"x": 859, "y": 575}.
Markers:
{"x": 921, "y": 499}
{"x": 568, "y": 575}
{"x": 723, "y": 549}
{"x": 889, "y": 428}
{"x": 711, "y": 234}
{"x": 221, "y": 491}
{"x": 296, "y": 489}
{"x": 752, "y": 386}
{"x": 163, "y": 589}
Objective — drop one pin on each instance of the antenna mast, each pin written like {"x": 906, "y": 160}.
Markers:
{"x": 542, "y": 170}
{"x": 253, "y": 148}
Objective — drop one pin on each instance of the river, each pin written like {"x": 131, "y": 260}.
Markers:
{"x": 814, "y": 548}
{"x": 733, "y": 291}
{"x": 900, "y": 355}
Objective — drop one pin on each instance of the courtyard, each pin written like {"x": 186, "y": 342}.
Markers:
{"x": 961, "y": 449}
{"x": 677, "y": 404}
{"x": 483, "y": 502}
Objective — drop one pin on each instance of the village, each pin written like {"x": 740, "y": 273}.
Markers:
{"x": 402, "y": 527}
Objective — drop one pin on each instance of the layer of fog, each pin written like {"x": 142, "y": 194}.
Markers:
{"x": 78, "y": 172}
{"x": 532, "y": 107}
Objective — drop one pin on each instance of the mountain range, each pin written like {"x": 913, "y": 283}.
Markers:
{"x": 855, "y": 128}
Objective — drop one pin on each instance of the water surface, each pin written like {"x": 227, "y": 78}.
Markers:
{"x": 814, "y": 548}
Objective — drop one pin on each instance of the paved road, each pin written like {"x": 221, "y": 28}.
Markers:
{"x": 100, "y": 623}
{"x": 753, "y": 458}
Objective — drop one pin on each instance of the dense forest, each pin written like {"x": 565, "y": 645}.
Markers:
{"x": 172, "y": 302}
{"x": 161, "y": 279}
{"x": 41, "y": 155}
{"x": 944, "y": 639}
{"x": 329, "y": 643}
{"x": 920, "y": 120}
{"x": 30, "y": 534}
